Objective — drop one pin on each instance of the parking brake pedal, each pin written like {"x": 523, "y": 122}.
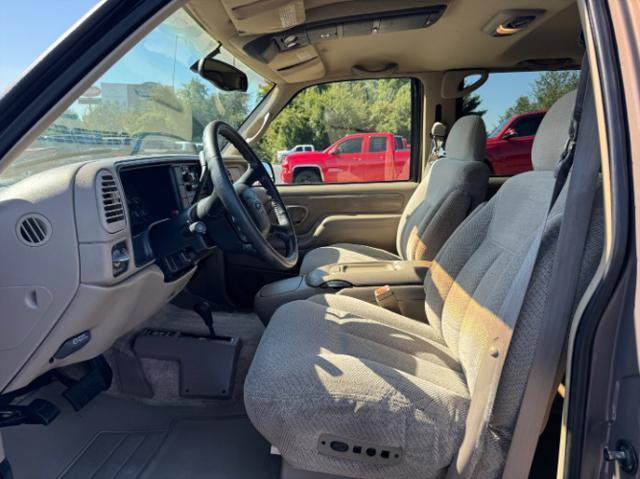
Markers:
{"x": 39, "y": 411}
{"x": 98, "y": 379}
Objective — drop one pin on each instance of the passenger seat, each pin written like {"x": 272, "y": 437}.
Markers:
{"x": 455, "y": 185}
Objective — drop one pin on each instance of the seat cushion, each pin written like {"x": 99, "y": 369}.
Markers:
{"x": 340, "y": 366}
{"x": 343, "y": 253}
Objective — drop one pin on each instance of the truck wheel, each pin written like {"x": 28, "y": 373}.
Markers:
{"x": 307, "y": 177}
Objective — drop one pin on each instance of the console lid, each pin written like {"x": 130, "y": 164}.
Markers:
{"x": 369, "y": 274}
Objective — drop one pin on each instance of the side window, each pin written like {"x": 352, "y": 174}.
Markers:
{"x": 527, "y": 126}
{"x": 378, "y": 144}
{"x": 352, "y": 145}
{"x": 501, "y": 100}
{"x": 344, "y": 126}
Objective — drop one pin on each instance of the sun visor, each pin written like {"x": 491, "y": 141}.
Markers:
{"x": 264, "y": 16}
{"x": 302, "y": 64}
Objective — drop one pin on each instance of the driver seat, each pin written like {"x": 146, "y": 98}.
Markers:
{"x": 337, "y": 367}
{"x": 455, "y": 185}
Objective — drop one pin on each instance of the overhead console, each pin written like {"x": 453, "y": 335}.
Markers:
{"x": 267, "y": 47}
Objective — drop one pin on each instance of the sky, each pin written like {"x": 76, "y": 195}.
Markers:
{"x": 48, "y": 20}
{"x": 28, "y": 27}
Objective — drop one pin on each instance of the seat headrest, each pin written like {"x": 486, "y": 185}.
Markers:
{"x": 553, "y": 133}
{"x": 467, "y": 138}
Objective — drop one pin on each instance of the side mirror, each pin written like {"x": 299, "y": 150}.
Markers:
{"x": 510, "y": 133}
{"x": 221, "y": 74}
{"x": 270, "y": 171}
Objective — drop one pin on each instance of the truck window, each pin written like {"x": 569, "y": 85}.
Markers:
{"x": 506, "y": 101}
{"x": 352, "y": 145}
{"x": 527, "y": 126}
{"x": 342, "y": 128}
{"x": 378, "y": 144}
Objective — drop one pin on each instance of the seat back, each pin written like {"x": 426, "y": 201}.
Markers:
{"x": 470, "y": 277}
{"x": 455, "y": 185}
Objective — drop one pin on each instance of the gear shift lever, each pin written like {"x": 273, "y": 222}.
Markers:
{"x": 206, "y": 313}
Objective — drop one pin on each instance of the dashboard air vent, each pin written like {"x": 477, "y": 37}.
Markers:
{"x": 33, "y": 230}
{"x": 110, "y": 200}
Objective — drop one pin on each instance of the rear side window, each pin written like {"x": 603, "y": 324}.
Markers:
{"x": 527, "y": 126}
{"x": 501, "y": 100}
{"x": 344, "y": 127}
{"x": 378, "y": 144}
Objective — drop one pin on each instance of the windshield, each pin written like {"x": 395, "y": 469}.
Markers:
{"x": 147, "y": 103}
{"x": 499, "y": 128}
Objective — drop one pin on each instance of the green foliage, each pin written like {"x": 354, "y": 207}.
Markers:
{"x": 322, "y": 114}
{"x": 545, "y": 90}
{"x": 470, "y": 104}
{"x": 183, "y": 113}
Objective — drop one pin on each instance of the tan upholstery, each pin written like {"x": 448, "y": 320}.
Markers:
{"x": 455, "y": 185}
{"x": 336, "y": 365}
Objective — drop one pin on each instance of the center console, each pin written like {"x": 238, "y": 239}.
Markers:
{"x": 404, "y": 280}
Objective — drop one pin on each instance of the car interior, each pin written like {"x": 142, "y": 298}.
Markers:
{"x": 183, "y": 313}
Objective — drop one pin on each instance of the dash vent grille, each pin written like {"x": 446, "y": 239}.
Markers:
{"x": 33, "y": 230}
{"x": 111, "y": 202}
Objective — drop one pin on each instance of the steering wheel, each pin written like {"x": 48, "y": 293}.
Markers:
{"x": 245, "y": 207}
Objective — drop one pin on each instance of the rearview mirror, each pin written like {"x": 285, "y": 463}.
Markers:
{"x": 221, "y": 74}
{"x": 510, "y": 133}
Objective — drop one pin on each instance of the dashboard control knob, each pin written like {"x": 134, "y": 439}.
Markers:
{"x": 119, "y": 258}
{"x": 198, "y": 227}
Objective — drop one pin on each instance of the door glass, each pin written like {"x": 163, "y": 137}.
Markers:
{"x": 338, "y": 120}
{"x": 502, "y": 101}
{"x": 527, "y": 126}
{"x": 353, "y": 145}
{"x": 378, "y": 144}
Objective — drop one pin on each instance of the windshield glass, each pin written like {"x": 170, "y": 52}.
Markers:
{"x": 147, "y": 103}
{"x": 499, "y": 128}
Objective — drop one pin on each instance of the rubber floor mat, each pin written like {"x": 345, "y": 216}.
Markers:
{"x": 114, "y": 438}
{"x": 194, "y": 448}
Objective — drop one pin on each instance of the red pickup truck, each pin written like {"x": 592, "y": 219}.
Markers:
{"x": 509, "y": 144}
{"x": 354, "y": 158}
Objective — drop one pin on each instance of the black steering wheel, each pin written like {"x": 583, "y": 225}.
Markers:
{"x": 257, "y": 218}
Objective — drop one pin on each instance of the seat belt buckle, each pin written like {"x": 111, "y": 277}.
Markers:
{"x": 386, "y": 299}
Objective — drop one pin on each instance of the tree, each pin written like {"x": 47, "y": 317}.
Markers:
{"x": 470, "y": 104}
{"x": 545, "y": 90}
{"x": 522, "y": 105}
{"x": 322, "y": 114}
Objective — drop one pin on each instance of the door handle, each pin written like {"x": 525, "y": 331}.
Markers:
{"x": 297, "y": 213}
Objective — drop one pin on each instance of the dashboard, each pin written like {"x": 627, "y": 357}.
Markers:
{"x": 89, "y": 271}
{"x": 154, "y": 193}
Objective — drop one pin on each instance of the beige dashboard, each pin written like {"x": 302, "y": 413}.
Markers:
{"x": 58, "y": 280}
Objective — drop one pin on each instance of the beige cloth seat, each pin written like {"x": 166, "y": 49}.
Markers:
{"x": 339, "y": 366}
{"x": 455, "y": 185}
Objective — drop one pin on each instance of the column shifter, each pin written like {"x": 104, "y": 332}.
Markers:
{"x": 206, "y": 313}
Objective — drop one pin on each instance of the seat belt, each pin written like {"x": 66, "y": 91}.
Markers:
{"x": 543, "y": 378}
{"x": 493, "y": 359}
